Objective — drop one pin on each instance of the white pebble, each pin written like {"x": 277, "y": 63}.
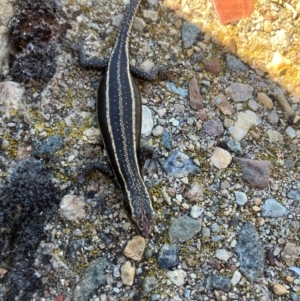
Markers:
{"x": 222, "y": 254}
{"x": 290, "y": 132}
{"x": 157, "y": 131}
{"x": 236, "y": 278}
{"x": 196, "y": 211}
{"x": 243, "y": 124}
{"x": 177, "y": 277}
{"x": 221, "y": 158}
{"x": 72, "y": 207}
{"x": 241, "y": 198}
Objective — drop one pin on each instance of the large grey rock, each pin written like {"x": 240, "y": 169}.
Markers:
{"x": 92, "y": 278}
{"x": 190, "y": 33}
{"x": 250, "y": 252}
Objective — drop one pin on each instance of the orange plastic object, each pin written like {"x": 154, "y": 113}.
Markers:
{"x": 233, "y": 10}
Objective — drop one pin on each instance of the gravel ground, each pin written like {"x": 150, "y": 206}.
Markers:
{"x": 227, "y": 133}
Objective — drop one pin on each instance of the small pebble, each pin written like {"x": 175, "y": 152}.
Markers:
{"x": 127, "y": 273}
{"x": 72, "y": 207}
{"x": 196, "y": 100}
{"x": 234, "y": 146}
{"x": 236, "y": 277}
{"x": 222, "y": 255}
{"x": 147, "y": 121}
{"x": 245, "y": 120}
{"x": 290, "y": 132}
{"x": 213, "y": 127}
{"x": 279, "y": 289}
{"x": 168, "y": 256}
{"x": 92, "y": 135}
{"x": 157, "y": 131}
{"x": 241, "y": 198}
{"x": 177, "y": 277}
{"x": 223, "y": 104}
{"x": 149, "y": 284}
{"x": 215, "y": 228}
{"x": 205, "y": 232}
{"x": 221, "y": 158}
{"x": 290, "y": 254}
{"x": 265, "y": 100}
{"x": 239, "y": 92}
{"x": 135, "y": 248}
{"x": 180, "y": 165}
{"x": 196, "y": 211}
{"x": 274, "y": 136}
{"x": 255, "y": 172}
{"x": 273, "y": 117}
{"x": 155, "y": 297}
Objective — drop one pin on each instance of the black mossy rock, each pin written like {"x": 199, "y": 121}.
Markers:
{"x": 28, "y": 200}
{"x": 35, "y": 33}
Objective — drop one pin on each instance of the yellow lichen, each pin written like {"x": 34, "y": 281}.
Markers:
{"x": 11, "y": 147}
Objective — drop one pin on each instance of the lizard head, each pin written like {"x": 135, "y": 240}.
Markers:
{"x": 144, "y": 221}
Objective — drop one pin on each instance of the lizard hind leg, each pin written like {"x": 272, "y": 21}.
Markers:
{"x": 95, "y": 166}
{"x": 147, "y": 152}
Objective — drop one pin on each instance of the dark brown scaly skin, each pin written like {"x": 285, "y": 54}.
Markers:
{"x": 119, "y": 117}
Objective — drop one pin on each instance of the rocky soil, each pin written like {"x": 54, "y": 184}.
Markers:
{"x": 224, "y": 124}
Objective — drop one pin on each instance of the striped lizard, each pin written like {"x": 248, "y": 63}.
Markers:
{"x": 119, "y": 117}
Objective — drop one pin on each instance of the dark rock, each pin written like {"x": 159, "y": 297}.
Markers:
{"x": 250, "y": 252}
{"x": 270, "y": 257}
{"x": 183, "y": 229}
{"x": 28, "y": 200}
{"x": 49, "y": 146}
{"x": 213, "y": 127}
{"x": 34, "y": 33}
{"x": 168, "y": 256}
{"x": 213, "y": 66}
{"x": 166, "y": 140}
{"x": 93, "y": 276}
{"x": 75, "y": 245}
{"x": 197, "y": 58}
{"x": 149, "y": 284}
{"x": 234, "y": 64}
{"x": 180, "y": 165}
{"x": 148, "y": 253}
{"x": 190, "y": 34}
{"x": 220, "y": 282}
{"x": 255, "y": 172}
{"x": 196, "y": 100}
{"x": 105, "y": 238}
